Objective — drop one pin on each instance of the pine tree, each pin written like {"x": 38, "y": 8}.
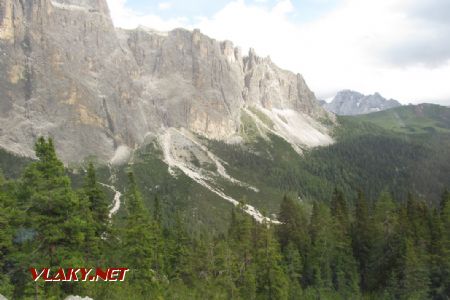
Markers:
{"x": 241, "y": 240}
{"x": 445, "y": 200}
{"x": 53, "y": 207}
{"x": 295, "y": 241}
{"x": 361, "y": 238}
{"x": 318, "y": 267}
{"x": 138, "y": 240}
{"x": 345, "y": 276}
{"x": 293, "y": 227}
{"x": 98, "y": 203}
{"x": 444, "y": 255}
{"x": 178, "y": 254}
{"x": 414, "y": 282}
{"x": 157, "y": 215}
{"x": 272, "y": 282}
{"x": 159, "y": 239}
{"x": 225, "y": 269}
{"x": 247, "y": 283}
{"x": 294, "y": 268}
{"x": 6, "y": 238}
{"x": 417, "y": 227}
{"x": 339, "y": 210}
{"x": 94, "y": 207}
{"x": 439, "y": 259}
{"x": 385, "y": 254}
{"x": 54, "y": 220}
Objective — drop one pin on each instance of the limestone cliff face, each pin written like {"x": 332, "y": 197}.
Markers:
{"x": 66, "y": 76}
{"x": 68, "y": 73}
{"x": 204, "y": 83}
{"x": 194, "y": 81}
{"x": 269, "y": 86}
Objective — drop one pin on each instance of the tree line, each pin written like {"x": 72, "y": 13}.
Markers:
{"x": 337, "y": 250}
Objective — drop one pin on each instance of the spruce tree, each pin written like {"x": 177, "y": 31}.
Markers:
{"x": 445, "y": 242}
{"x": 445, "y": 200}
{"x": 339, "y": 210}
{"x": 439, "y": 259}
{"x": 361, "y": 238}
{"x": 138, "y": 240}
{"x": 241, "y": 240}
{"x": 54, "y": 222}
{"x": 95, "y": 209}
{"x": 385, "y": 253}
{"x": 294, "y": 268}
{"x": 294, "y": 226}
{"x": 225, "y": 270}
{"x": 272, "y": 282}
{"x": 345, "y": 276}
{"x": 178, "y": 255}
{"x": 414, "y": 274}
{"x": 98, "y": 203}
{"x": 6, "y": 239}
{"x": 318, "y": 265}
{"x": 157, "y": 214}
{"x": 158, "y": 263}
{"x": 53, "y": 208}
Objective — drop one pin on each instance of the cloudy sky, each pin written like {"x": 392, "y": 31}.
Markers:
{"x": 400, "y": 48}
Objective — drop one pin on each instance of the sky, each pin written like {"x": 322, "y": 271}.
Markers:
{"x": 399, "y": 48}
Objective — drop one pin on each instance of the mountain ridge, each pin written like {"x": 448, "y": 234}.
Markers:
{"x": 120, "y": 86}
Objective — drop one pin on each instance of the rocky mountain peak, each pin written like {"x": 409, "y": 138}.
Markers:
{"x": 348, "y": 102}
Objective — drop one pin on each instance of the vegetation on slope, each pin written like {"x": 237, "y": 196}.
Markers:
{"x": 383, "y": 250}
{"x": 412, "y": 119}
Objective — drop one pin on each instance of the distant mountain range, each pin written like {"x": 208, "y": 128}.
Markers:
{"x": 349, "y": 102}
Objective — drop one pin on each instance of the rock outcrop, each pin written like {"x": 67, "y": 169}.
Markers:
{"x": 68, "y": 73}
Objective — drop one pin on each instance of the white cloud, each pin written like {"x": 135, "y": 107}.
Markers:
{"x": 127, "y": 18}
{"x": 283, "y": 7}
{"x": 359, "y": 45}
{"x": 164, "y": 5}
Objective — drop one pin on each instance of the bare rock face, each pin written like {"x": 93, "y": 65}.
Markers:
{"x": 67, "y": 77}
{"x": 271, "y": 87}
{"x": 205, "y": 84}
{"x": 193, "y": 81}
{"x": 68, "y": 73}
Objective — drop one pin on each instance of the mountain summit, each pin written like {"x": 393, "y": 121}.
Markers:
{"x": 349, "y": 102}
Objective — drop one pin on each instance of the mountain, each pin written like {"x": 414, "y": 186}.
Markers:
{"x": 205, "y": 173}
{"x": 201, "y": 125}
{"x": 101, "y": 91}
{"x": 108, "y": 95}
{"x": 368, "y": 154}
{"x": 349, "y": 102}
